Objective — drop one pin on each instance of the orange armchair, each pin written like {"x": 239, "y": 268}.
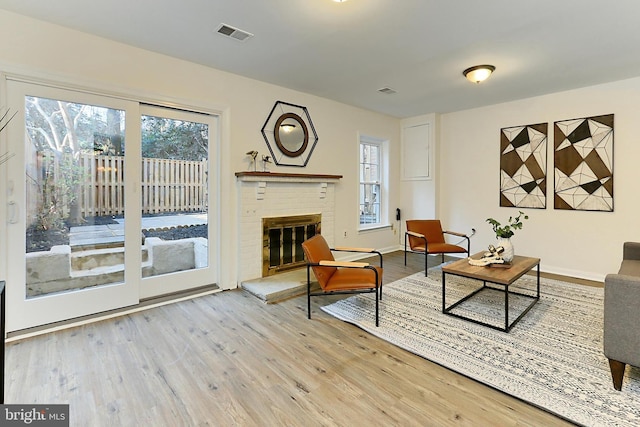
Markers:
{"x": 338, "y": 277}
{"x": 427, "y": 237}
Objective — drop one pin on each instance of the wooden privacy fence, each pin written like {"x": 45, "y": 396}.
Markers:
{"x": 167, "y": 185}
{"x": 174, "y": 186}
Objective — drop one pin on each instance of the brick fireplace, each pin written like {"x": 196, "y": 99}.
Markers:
{"x": 263, "y": 195}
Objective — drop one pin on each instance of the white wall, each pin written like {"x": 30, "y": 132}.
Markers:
{"x": 38, "y": 48}
{"x": 576, "y": 243}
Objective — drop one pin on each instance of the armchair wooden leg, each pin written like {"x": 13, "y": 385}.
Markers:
{"x": 617, "y": 373}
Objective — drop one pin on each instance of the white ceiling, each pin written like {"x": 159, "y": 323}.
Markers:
{"x": 347, "y": 51}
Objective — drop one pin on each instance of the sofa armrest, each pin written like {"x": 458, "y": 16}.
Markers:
{"x": 621, "y": 318}
{"x": 631, "y": 250}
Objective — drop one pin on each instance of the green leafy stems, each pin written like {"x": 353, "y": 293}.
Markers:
{"x": 506, "y": 231}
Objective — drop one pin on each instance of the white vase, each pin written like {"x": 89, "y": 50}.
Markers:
{"x": 507, "y": 255}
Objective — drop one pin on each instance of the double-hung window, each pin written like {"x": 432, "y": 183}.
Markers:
{"x": 370, "y": 182}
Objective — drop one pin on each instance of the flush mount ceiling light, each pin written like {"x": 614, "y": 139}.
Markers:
{"x": 478, "y": 73}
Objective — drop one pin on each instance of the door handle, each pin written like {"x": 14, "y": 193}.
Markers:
{"x": 14, "y": 212}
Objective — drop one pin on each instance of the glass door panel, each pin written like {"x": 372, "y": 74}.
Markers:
{"x": 67, "y": 196}
{"x": 175, "y": 196}
{"x": 74, "y": 174}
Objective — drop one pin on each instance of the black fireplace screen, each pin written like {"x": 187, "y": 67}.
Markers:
{"x": 282, "y": 241}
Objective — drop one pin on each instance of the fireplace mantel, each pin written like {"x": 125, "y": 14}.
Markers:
{"x": 285, "y": 177}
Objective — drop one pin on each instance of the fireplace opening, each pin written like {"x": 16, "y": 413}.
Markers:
{"x": 282, "y": 239}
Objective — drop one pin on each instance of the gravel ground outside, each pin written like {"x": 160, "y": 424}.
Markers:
{"x": 42, "y": 240}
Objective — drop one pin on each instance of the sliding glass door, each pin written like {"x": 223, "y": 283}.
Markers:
{"x": 109, "y": 201}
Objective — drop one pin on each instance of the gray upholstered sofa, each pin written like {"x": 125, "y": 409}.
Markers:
{"x": 622, "y": 314}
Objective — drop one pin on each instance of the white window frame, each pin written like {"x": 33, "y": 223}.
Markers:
{"x": 383, "y": 150}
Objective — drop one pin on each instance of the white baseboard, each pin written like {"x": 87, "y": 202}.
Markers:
{"x": 354, "y": 256}
{"x": 586, "y": 275}
{"x": 544, "y": 268}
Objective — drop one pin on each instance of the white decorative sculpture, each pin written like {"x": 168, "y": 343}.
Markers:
{"x": 493, "y": 256}
{"x": 253, "y": 154}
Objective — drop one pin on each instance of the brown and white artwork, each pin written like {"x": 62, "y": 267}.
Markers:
{"x": 583, "y": 156}
{"x": 523, "y": 166}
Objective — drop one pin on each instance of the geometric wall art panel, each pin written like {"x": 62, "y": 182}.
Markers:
{"x": 583, "y": 164}
{"x": 523, "y": 166}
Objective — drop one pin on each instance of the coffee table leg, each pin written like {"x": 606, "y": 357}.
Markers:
{"x": 506, "y": 308}
{"x": 538, "y": 284}
{"x": 443, "y": 293}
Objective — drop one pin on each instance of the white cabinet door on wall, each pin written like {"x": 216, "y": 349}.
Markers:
{"x": 416, "y": 152}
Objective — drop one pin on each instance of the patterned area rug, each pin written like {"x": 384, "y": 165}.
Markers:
{"x": 552, "y": 358}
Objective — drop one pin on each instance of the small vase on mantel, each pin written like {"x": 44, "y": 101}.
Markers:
{"x": 505, "y": 242}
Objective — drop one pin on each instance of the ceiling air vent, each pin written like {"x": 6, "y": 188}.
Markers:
{"x": 387, "y": 90}
{"x": 234, "y": 33}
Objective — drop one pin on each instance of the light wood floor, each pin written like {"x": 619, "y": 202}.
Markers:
{"x": 228, "y": 359}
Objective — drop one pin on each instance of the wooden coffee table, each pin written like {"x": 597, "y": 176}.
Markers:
{"x": 500, "y": 276}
